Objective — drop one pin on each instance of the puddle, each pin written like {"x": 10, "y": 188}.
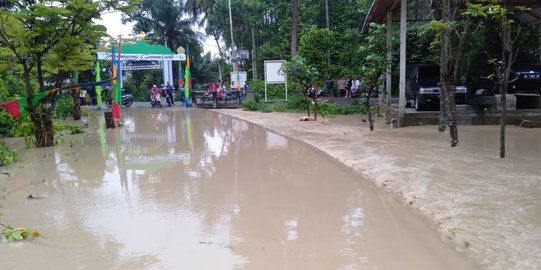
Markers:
{"x": 176, "y": 189}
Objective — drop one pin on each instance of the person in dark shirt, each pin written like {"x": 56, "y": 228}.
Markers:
{"x": 330, "y": 85}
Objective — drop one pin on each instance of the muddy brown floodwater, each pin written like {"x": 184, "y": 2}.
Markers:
{"x": 200, "y": 190}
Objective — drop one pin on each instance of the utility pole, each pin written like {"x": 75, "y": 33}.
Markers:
{"x": 233, "y": 55}
{"x": 327, "y": 13}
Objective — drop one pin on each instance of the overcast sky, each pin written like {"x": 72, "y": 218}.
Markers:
{"x": 115, "y": 27}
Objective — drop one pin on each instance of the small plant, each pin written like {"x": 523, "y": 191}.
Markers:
{"x": 11, "y": 234}
{"x": 29, "y": 142}
{"x": 73, "y": 129}
{"x": 7, "y": 156}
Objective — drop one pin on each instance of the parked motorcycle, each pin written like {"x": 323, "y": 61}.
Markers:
{"x": 127, "y": 100}
{"x": 310, "y": 92}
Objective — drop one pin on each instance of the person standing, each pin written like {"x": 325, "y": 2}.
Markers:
{"x": 170, "y": 90}
{"x": 341, "y": 83}
{"x": 348, "y": 88}
{"x": 330, "y": 85}
{"x": 354, "y": 87}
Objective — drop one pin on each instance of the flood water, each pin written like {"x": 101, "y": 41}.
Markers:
{"x": 177, "y": 189}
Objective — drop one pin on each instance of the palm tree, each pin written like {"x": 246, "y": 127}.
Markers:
{"x": 162, "y": 20}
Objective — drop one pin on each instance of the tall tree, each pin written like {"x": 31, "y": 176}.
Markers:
{"x": 451, "y": 34}
{"x": 294, "y": 26}
{"x": 164, "y": 22}
{"x": 509, "y": 33}
{"x": 34, "y": 31}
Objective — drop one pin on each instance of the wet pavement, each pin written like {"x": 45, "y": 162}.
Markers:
{"x": 177, "y": 189}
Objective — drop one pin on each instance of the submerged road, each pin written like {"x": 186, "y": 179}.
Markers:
{"x": 178, "y": 189}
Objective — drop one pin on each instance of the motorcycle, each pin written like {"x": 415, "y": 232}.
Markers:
{"x": 310, "y": 92}
{"x": 127, "y": 100}
{"x": 155, "y": 100}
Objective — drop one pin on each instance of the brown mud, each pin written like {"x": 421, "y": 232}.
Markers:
{"x": 200, "y": 190}
{"x": 486, "y": 207}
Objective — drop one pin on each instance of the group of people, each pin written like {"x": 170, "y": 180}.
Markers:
{"x": 165, "y": 90}
{"x": 347, "y": 87}
{"x": 219, "y": 89}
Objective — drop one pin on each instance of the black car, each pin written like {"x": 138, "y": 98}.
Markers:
{"x": 525, "y": 78}
{"x": 422, "y": 87}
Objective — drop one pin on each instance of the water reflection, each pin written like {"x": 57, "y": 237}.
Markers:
{"x": 177, "y": 187}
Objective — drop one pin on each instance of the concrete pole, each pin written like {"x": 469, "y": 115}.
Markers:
{"x": 254, "y": 55}
{"x": 233, "y": 57}
{"x": 389, "y": 58}
{"x": 402, "y": 83}
{"x": 539, "y": 41}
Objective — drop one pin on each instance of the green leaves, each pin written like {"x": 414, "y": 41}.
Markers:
{"x": 11, "y": 234}
{"x": 7, "y": 156}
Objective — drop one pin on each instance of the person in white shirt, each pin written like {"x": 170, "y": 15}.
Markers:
{"x": 354, "y": 87}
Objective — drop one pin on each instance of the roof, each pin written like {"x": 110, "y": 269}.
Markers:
{"x": 379, "y": 9}
{"x": 142, "y": 47}
{"x": 529, "y": 17}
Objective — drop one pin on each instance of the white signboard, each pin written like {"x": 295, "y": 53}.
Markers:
{"x": 242, "y": 78}
{"x": 273, "y": 72}
{"x": 143, "y": 57}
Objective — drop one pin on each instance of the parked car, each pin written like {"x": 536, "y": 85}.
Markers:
{"x": 525, "y": 78}
{"x": 422, "y": 87}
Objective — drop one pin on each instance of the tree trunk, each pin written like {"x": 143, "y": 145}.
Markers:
{"x": 307, "y": 104}
{"x": 451, "y": 115}
{"x": 219, "y": 47}
{"x": 369, "y": 113}
{"x": 76, "y": 104}
{"x": 447, "y": 75}
{"x": 294, "y": 26}
{"x": 443, "y": 108}
{"x": 448, "y": 90}
{"x": 315, "y": 106}
{"x": 43, "y": 124}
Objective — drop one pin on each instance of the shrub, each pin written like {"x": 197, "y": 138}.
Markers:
{"x": 265, "y": 108}
{"x": 64, "y": 107}
{"x": 73, "y": 129}
{"x": 23, "y": 126}
{"x": 250, "y": 105}
{"x": 7, "y": 156}
{"x": 6, "y": 124}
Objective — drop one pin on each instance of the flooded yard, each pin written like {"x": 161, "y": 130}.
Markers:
{"x": 177, "y": 189}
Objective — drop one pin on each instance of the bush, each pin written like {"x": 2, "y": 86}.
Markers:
{"x": 7, "y": 156}
{"x": 6, "y": 124}
{"x": 265, "y": 108}
{"x": 250, "y": 105}
{"x": 64, "y": 107}
{"x": 23, "y": 126}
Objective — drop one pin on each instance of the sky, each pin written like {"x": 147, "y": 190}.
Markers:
{"x": 112, "y": 21}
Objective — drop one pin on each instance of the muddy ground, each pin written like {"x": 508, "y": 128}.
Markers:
{"x": 486, "y": 207}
